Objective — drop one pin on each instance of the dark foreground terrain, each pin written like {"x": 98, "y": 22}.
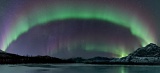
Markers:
{"x": 148, "y": 55}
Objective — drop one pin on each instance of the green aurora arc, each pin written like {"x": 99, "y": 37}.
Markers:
{"x": 41, "y": 15}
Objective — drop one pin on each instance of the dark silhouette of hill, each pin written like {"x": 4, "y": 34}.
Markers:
{"x": 8, "y": 58}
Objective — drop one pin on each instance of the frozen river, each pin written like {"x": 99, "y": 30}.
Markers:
{"x": 76, "y": 68}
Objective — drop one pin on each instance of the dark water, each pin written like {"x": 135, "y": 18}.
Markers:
{"x": 77, "y": 68}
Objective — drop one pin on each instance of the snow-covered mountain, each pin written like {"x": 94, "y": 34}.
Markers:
{"x": 151, "y": 50}
{"x": 147, "y": 54}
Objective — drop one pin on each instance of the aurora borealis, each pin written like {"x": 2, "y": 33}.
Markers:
{"x": 69, "y": 28}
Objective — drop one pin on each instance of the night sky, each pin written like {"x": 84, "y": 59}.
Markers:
{"x": 78, "y": 28}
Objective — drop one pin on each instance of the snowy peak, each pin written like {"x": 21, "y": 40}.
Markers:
{"x": 152, "y": 46}
{"x": 151, "y": 50}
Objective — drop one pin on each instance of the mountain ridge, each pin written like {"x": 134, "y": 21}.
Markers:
{"x": 148, "y": 55}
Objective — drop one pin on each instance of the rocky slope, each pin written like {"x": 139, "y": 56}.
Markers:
{"x": 151, "y": 50}
{"x": 149, "y": 54}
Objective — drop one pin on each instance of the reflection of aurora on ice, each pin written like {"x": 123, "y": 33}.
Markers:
{"x": 38, "y": 13}
{"x": 122, "y": 69}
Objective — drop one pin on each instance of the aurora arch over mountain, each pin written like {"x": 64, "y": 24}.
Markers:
{"x": 35, "y": 13}
{"x": 74, "y": 36}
